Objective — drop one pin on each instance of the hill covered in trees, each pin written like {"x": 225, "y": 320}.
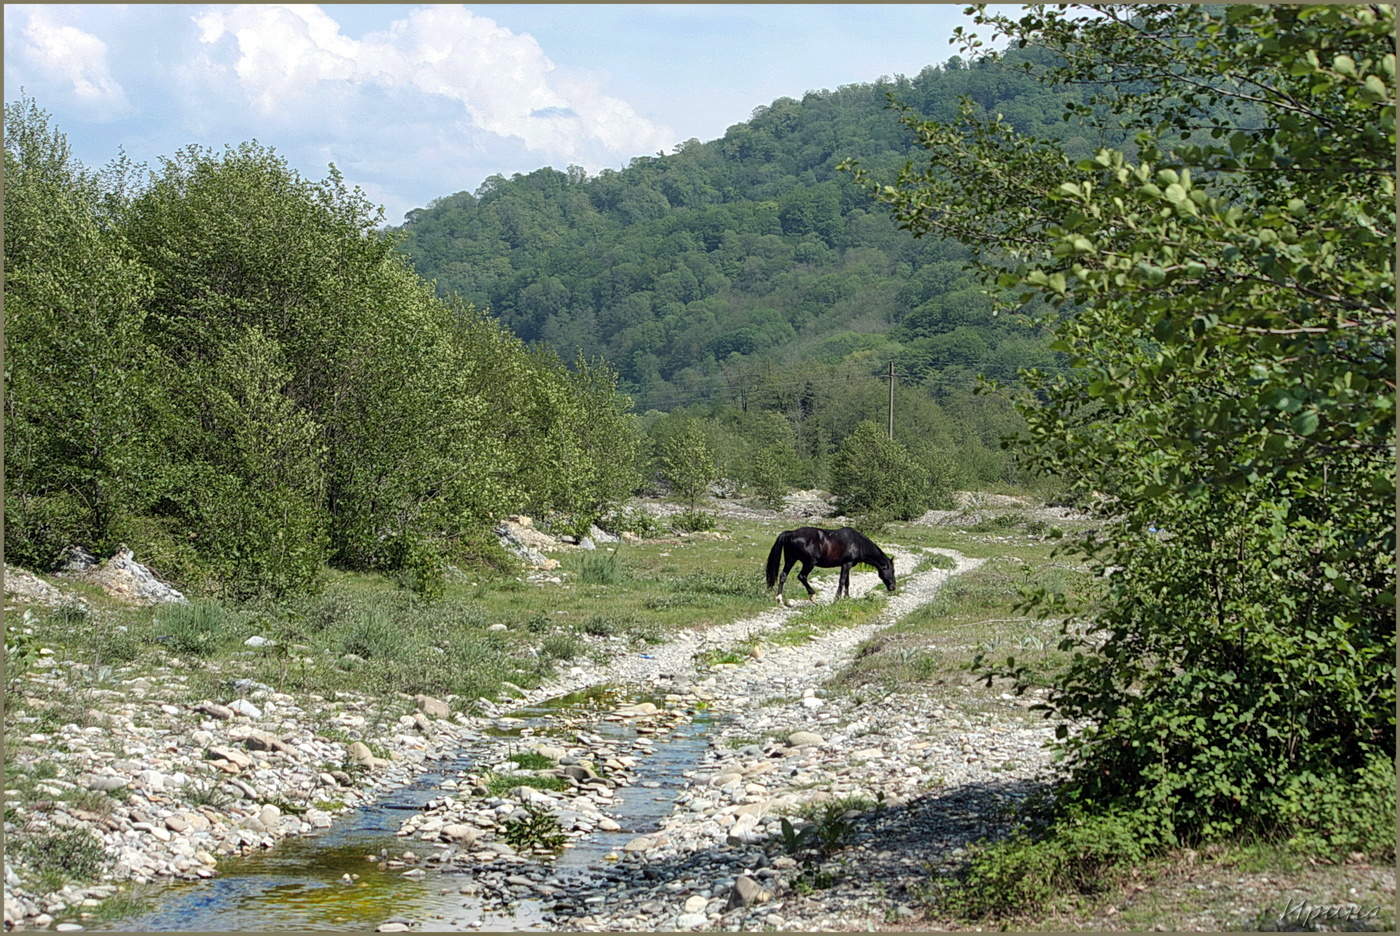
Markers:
{"x": 696, "y": 273}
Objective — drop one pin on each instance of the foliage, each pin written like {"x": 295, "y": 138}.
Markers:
{"x": 687, "y": 464}
{"x": 693, "y": 521}
{"x": 600, "y": 567}
{"x": 1225, "y": 298}
{"x": 879, "y": 479}
{"x": 21, "y": 651}
{"x": 199, "y": 628}
{"x": 76, "y": 370}
{"x": 73, "y": 854}
{"x": 538, "y": 828}
{"x": 692, "y": 272}
{"x": 531, "y": 760}
{"x": 232, "y": 370}
{"x": 499, "y": 784}
{"x": 1028, "y": 873}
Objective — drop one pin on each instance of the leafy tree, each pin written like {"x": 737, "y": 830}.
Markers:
{"x": 876, "y": 477}
{"x": 1226, "y": 299}
{"x": 687, "y": 464}
{"x": 76, "y": 384}
{"x": 233, "y": 370}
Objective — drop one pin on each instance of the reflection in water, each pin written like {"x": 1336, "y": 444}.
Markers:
{"x": 299, "y": 884}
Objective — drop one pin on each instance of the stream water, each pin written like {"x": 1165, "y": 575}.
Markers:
{"x": 298, "y": 885}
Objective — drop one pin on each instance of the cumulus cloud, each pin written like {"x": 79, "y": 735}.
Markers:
{"x": 295, "y": 58}
{"x": 73, "y": 60}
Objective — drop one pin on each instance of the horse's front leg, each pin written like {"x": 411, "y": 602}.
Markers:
{"x": 787, "y": 567}
{"x": 844, "y": 585}
{"x": 802, "y": 577}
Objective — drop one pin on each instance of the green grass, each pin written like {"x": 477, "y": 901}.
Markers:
{"x": 120, "y": 906}
{"x": 531, "y": 760}
{"x": 822, "y": 618}
{"x": 62, "y": 856}
{"x": 974, "y": 613}
{"x": 364, "y": 633}
{"x": 500, "y": 784}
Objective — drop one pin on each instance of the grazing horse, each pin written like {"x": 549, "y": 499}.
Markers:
{"x": 826, "y": 548}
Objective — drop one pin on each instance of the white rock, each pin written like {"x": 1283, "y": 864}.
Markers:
{"x": 244, "y": 707}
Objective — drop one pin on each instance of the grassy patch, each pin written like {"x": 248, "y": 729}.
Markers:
{"x": 63, "y": 856}
{"x": 500, "y": 784}
{"x": 973, "y": 613}
{"x": 531, "y": 760}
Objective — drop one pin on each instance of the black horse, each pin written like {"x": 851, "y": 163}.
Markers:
{"x": 826, "y": 548}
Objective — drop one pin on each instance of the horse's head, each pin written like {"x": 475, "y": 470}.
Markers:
{"x": 886, "y": 571}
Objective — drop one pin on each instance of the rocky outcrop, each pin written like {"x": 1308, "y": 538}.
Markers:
{"x": 28, "y": 588}
{"x": 121, "y": 576}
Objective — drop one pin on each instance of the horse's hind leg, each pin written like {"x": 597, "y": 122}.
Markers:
{"x": 787, "y": 567}
{"x": 802, "y": 577}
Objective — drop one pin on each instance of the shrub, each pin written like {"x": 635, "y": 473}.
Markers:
{"x": 1029, "y": 872}
{"x": 499, "y": 784}
{"x": 877, "y": 478}
{"x": 538, "y": 828}
{"x": 693, "y": 521}
{"x": 599, "y": 567}
{"x": 686, "y": 462}
{"x": 531, "y": 760}
{"x": 74, "y": 854}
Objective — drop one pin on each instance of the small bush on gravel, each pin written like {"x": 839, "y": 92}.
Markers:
{"x": 693, "y": 521}
{"x": 531, "y": 760}
{"x": 538, "y": 828}
{"x": 560, "y": 647}
{"x": 1030, "y": 872}
{"x": 74, "y": 854}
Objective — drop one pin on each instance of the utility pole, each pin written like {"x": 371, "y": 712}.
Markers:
{"x": 891, "y": 400}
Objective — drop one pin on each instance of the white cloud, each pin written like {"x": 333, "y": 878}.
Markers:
{"x": 74, "y": 59}
{"x": 290, "y": 59}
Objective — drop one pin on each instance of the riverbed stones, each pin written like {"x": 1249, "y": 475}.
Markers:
{"x": 804, "y": 738}
{"x": 265, "y": 741}
{"x": 229, "y": 755}
{"x": 431, "y": 707}
{"x": 245, "y": 708}
{"x": 746, "y": 892}
{"x": 214, "y": 710}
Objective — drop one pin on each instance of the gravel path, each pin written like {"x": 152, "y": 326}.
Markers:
{"x": 782, "y": 744}
{"x": 916, "y": 780}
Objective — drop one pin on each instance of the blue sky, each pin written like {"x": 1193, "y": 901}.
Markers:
{"x": 415, "y": 102}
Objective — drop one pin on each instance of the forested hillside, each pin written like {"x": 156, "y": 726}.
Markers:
{"x": 699, "y": 270}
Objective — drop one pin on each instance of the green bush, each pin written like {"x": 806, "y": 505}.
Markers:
{"x": 693, "y": 521}
{"x": 878, "y": 479}
{"x": 599, "y": 567}
{"x": 1031, "y": 872}
{"x": 538, "y": 829}
{"x": 74, "y": 854}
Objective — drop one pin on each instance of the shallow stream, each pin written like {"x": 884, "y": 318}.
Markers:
{"x": 299, "y": 884}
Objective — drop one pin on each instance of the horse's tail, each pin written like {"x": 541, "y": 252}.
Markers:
{"x": 775, "y": 557}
